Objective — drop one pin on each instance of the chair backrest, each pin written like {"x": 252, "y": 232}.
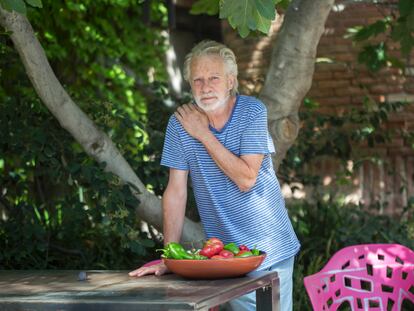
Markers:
{"x": 368, "y": 276}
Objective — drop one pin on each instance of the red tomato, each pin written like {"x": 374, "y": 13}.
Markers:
{"x": 217, "y": 248}
{"x": 209, "y": 251}
{"x": 218, "y": 257}
{"x": 214, "y": 241}
{"x": 226, "y": 254}
{"x": 243, "y": 248}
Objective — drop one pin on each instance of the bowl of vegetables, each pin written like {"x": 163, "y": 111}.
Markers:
{"x": 213, "y": 261}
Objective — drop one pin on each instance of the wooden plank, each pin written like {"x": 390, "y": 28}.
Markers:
{"x": 103, "y": 290}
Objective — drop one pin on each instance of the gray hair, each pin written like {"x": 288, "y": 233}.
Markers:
{"x": 209, "y": 47}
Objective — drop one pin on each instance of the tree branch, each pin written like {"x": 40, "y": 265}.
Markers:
{"x": 96, "y": 143}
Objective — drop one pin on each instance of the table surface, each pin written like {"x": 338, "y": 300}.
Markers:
{"x": 115, "y": 290}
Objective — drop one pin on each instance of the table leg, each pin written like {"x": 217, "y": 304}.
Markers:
{"x": 267, "y": 298}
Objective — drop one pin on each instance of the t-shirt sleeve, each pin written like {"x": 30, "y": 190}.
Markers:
{"x": 256, "y": 138}
{"x": 173, "y": 152}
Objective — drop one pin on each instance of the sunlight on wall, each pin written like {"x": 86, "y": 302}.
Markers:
{"x": 173, "y": 69}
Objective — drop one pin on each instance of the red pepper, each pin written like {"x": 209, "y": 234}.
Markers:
{"x": 218, "y": 257}
{"x": 244, "y": 248}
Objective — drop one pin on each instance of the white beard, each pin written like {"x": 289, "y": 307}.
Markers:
{"x": 213, "y": 106}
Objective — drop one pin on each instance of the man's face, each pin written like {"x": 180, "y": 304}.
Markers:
{"x": 210, "y": 84}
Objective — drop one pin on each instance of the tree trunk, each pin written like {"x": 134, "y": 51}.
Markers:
{"x": 291, "y": 69}
{"x": 96, "y": 143}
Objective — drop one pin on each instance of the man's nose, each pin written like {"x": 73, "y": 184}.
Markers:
{"x": 206, "y": 87}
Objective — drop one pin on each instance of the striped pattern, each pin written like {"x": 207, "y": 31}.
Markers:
{"x": 254, "y": 218}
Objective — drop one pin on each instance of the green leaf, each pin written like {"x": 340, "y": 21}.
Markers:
{"x": 405, "y": 7}
{"x": 283, "y": 4}
{"x": 14, "y": 5}
{"x": 239, "y": 14}
{"x": 263, "y": 24}
{"x": 35, "y": 3}
{"x": 209, "y": 7}
{"x": 359, "y": 33}
{"x": 266, "y": 8}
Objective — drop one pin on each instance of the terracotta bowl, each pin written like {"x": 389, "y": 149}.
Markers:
{"x": 214, "y": 268}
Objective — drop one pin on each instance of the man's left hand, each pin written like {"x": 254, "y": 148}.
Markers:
{"x": 194, "y": 120}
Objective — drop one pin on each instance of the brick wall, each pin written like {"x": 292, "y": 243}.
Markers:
{"x": 340, "y": 83}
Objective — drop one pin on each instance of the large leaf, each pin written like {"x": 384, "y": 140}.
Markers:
{"x": 243, "y": 15}
{"x": 263, "y": 24}
{"x": 14, "y": 5}
{"x": 35, "y": 3}
{"x": 266, "y": 8}
{"x": 247, "y": 15}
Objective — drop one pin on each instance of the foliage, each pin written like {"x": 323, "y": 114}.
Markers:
{"x": 395, "y": 27}
{"x": 20, "y": 6}
{"x": 55, "y": 202}
{"x": 339, "y": 137}
{"x": 245, "y": 15}
{"x": 325, "y": 227}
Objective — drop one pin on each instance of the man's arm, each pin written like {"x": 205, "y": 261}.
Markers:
{"x": 241, "y": 170}
{"x": 173, "y": 205}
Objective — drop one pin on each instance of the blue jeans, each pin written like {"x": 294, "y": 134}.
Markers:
{"x": 285, "y": 271}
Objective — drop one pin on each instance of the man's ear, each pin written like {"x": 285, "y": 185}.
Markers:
{"x": 231, "y": 80}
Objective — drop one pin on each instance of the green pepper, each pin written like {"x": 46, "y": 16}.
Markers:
{"x": 244, "y": 254}
{"x": 255, "y": 252}
{"x": 232, "y": 247}
{"x": 199, "y": 257}
{"x": 177, "y": 251}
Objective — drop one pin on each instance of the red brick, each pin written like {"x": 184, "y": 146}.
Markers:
{"x": 333, "y": 83}
{"x": 351, "y": 90}
{"x": 344, "y": 75}
{"x": 335, "y": 100}
{"x": 322, "y": 75}
{"x": 379, "y": 89}
{"x": 316, "y": 92}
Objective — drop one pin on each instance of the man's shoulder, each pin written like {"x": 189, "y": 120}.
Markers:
{"x": 251, "y": 104}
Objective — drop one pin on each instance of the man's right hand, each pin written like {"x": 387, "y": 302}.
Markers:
{"x": 157, "y": 269}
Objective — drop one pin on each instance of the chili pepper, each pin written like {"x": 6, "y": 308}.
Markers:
{"x": 244, "y": 254}
{"x": 232, "y": 247}
{"x": 177, "y": 251}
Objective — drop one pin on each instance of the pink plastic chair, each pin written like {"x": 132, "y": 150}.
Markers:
{"x": 369, "y": 277}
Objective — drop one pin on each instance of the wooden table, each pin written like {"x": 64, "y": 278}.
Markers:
{"x": 115, "y": 290}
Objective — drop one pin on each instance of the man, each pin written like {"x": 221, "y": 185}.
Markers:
{"x": 222, "y": 142}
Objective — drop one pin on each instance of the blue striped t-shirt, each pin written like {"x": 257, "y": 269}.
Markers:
{"x": 256, "y": 218}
